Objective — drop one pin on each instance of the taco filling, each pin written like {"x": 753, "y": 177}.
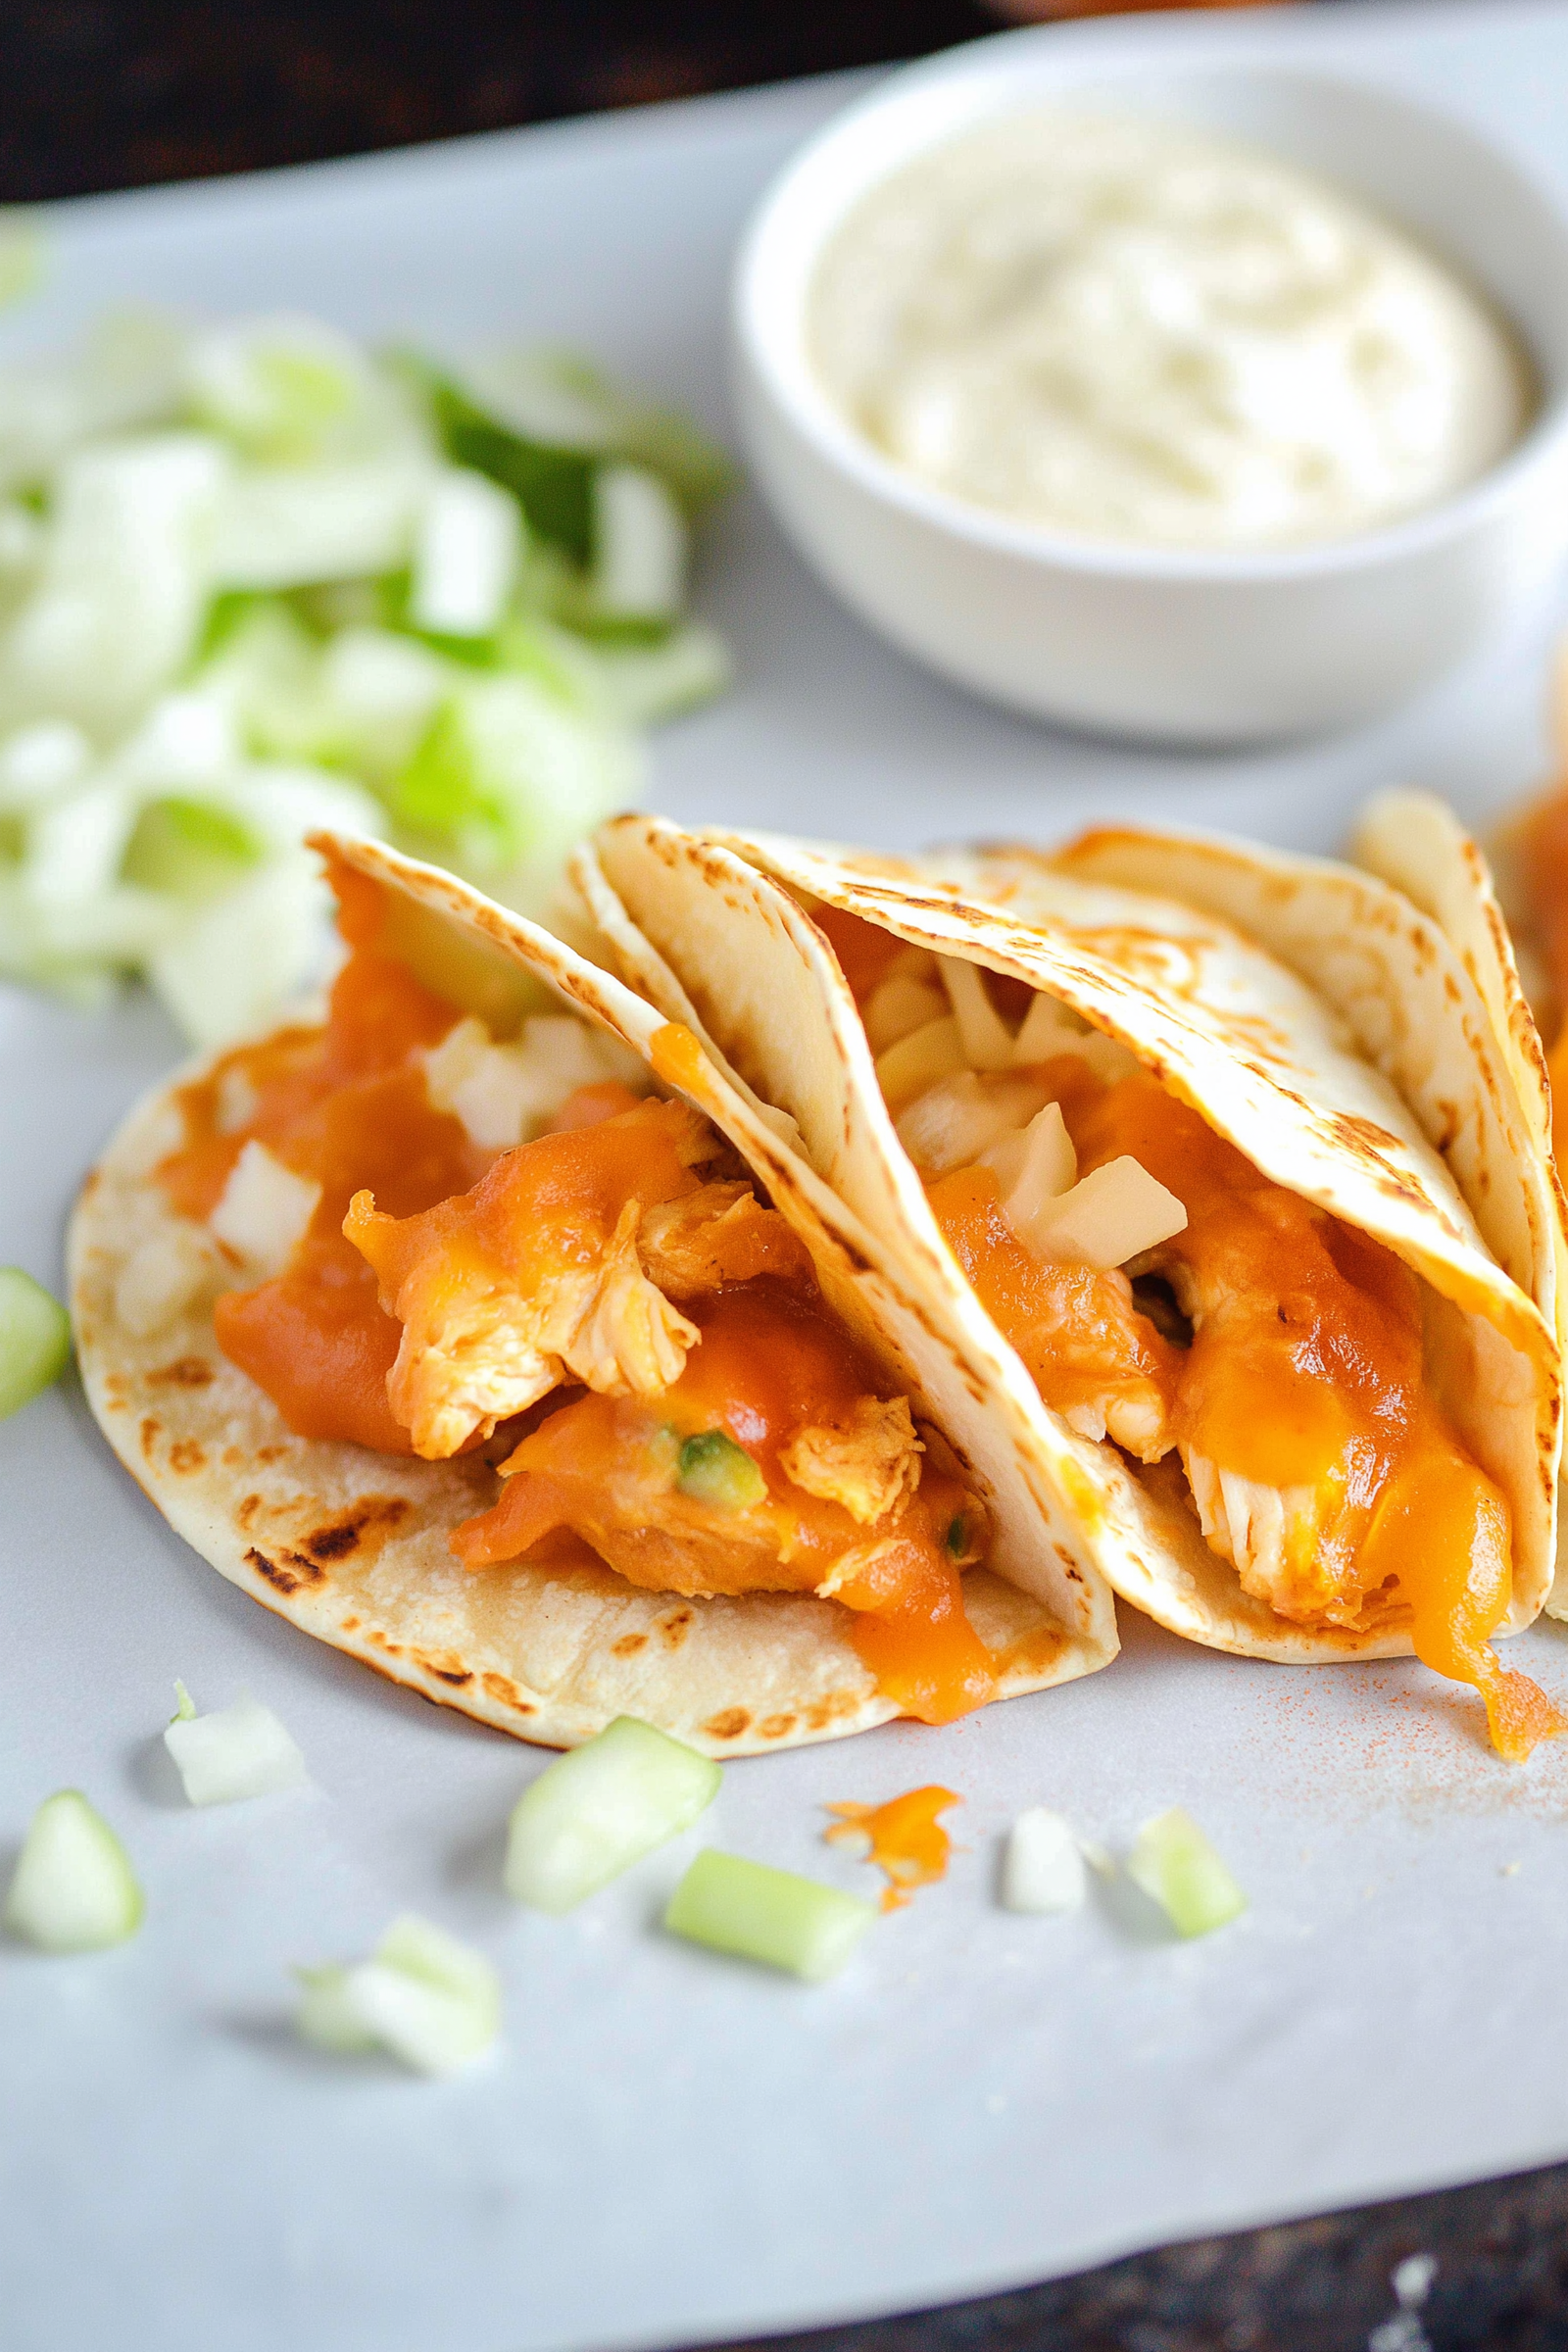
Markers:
{"x": 456, "y": 1244}
{"x": 1164, "y": 1296}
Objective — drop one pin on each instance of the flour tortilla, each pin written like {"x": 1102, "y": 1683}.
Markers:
{"x": 1415, "y": 843}
{"x": 351, "y": 1545}
{"x": 1357, "y": 1068}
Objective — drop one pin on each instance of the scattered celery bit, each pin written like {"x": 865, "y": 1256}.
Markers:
{"x": 759, "y": 1913}
{"x": 600, "y": 1808}
{"x": 425, "y": 1998}
{"x": 35, "y": 1339}
{"x": 713, "y": 1469}
{"x": 73, "y": 1889}
{"x": 1173, "y": 1862}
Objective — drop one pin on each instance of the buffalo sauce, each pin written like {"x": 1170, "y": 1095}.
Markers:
{"x": 903, "y": 1837}
{"x": 1304, "y": 1371}
{"x": 345, "y": 1105}
{"x": 769, "y": 1362}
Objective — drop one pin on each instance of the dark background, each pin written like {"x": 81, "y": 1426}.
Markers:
{"x": 113, "y": 93}
{"x": 98, "y": 94}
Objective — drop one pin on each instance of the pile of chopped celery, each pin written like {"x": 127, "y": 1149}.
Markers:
{"x": 254, "y": 580}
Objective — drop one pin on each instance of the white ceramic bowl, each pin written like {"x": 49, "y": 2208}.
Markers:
{"x": 1162, "y": 644}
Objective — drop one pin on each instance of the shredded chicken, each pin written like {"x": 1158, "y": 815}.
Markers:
{"x": 476, "y": 1348}
{"x": 1290, "y": 1545}
{"x": 718, "y": 1234}
{"x": 872, "y": 1466}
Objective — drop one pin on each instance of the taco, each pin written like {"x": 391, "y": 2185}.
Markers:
{"x": 481, "y": 1326}
{"x": 1224, "y": 1145}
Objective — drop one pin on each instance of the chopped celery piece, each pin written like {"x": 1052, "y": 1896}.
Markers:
{"x": 275, "y": 387}
{"x": 184, "y": 1705}
{"x": 553, "y": 485}
{"x": 641, "y": 684}
{"x": 73, "y": 1889}
{"x": 713, "y": 1469}
{"x": 1044, "y": 1869}
{"x": 1173, "y": 1862}
{"x": 237, "y": 1752}
{"x": 600, "y": 1808}
{"x": 188, "y": 848}
{"x": 563, "y": 396}
{"x": 507, "y": 777}
{"x": 426, "y": 1999}
{"x": 769, "y": 1915}
{"x": 288, "y": 526}
{"x": 639, "y": 545}
{"x": 35, "y": 1339}
{"x": 466, "y": 556}
{"x": 118, "y": 607}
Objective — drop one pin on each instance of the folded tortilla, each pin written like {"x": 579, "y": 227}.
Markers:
{"x": 1491, "y": 921}
{"x": 1314, "y": 1021}
{"x": 352, "y": 1540}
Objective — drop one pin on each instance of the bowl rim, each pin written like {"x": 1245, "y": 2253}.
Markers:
{"x": 813, "y": 414}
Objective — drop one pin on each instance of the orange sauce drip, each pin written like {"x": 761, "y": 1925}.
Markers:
{"x": 770, "y": 1362}
{"x": 903, "y": 1837}
{"x": 1305, "y": 1370}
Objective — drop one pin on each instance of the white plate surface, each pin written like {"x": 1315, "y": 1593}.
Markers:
{"x": 671, "y": 2148}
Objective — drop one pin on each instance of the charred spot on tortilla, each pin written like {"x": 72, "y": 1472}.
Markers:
{"x": 289, "y": 1574}
{"x": 185, "y": 1456}
{"x": 371, "y": 1519}
{"x": 729, "y": 1723}
{"x": 444, "y": 1666}
{"x": 186, "y": 1372}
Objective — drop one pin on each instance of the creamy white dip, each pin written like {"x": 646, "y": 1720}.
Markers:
{"x": 1122, "y": 327}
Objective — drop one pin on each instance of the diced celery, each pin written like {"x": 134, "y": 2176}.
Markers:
{"x": 759, "y": 1913}
{"x": 642, "y": 684}
{"x": 507, "y": 778}
{"x": 188, "y": 848}
{"x": 35, "y": 1339}
{"x": 236, "y": 1753}
{"x": 278, "y": 387}
{"x": 600, "y": 1808}
{"x": 553, "y": 485}
{"x": 184, "y": 1705}
{"x": 241, "y": 954}
{"x": 1044, "y": 1869}
{"x": 73, "y": 1891}
{"x": 714, "y": 1470}
{"x": 1173, "y": 1862}
{"x": 466, "y": 556}
{"x": 285, "y": 526}
{"x": 426, "y": 1999}
{"x": 118, "y": 602}
{"x": 640, "y": 550}
{"x": 563, "y": 396}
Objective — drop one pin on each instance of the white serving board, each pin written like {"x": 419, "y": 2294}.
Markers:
{"x": 671, "y": 2148}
